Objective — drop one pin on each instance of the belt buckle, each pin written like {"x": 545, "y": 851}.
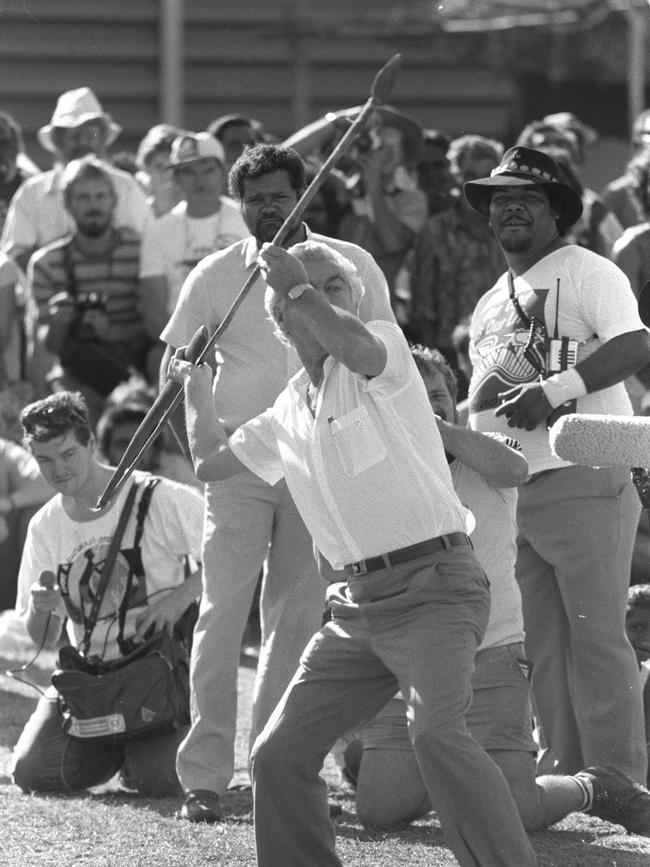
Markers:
{"x": 359, "y": 568}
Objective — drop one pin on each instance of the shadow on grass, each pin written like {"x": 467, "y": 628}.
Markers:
{"x": 599, "y": 839}
{"x": 237, "y": 804}
{"x": 430, "y": 834}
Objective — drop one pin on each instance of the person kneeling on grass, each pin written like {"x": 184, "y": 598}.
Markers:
{"x": 350, "y": 434}
{"x": 380, "y": 762}
{"x": 637, "y": 628}
{"x": 69, "y": 540}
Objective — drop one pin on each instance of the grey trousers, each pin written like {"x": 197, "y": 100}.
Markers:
{"x": 576, "y": 533}
{"x": 248, "y": 524}
{"x": 416, "y": 626}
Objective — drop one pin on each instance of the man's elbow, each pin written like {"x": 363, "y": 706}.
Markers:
{"x": 514, "y": 475}
{"x": 205, "y": 471}
{"x": 213, "y": 468}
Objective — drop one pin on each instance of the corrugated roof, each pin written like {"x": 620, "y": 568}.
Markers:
{"x": 482, "y": 15}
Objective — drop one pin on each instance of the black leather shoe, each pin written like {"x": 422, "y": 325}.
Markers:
{"x": 201, "y": 805}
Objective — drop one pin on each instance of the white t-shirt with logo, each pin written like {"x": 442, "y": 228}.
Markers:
{"x": 573, "y": 291}
{"x": 175, "y": 243}
{"x": 75, "y": 551}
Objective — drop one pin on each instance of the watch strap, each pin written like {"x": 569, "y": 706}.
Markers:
{"x": 296, "y": 291}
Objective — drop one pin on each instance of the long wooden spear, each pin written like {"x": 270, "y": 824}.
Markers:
{"x": 171, "y": 394}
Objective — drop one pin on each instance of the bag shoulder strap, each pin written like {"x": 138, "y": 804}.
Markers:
{"x": 109, "y": 562}
{"x": 143, "y": 509}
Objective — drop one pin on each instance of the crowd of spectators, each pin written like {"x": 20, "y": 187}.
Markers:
{"x": 107, "y": 262}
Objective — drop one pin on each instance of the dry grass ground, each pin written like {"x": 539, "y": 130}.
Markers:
{"x": 112, "y": 829}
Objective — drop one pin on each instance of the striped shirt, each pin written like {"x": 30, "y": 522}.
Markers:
{"x": 113, "y": 276}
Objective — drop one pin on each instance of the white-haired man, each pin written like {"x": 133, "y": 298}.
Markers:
{"x": 267, "y": 180}
{"x": 348, "y": 434}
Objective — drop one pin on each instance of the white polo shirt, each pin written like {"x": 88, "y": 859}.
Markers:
{"x": 368, "y": 473}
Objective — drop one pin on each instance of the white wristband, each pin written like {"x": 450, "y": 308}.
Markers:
{"x": 562, "y": 387}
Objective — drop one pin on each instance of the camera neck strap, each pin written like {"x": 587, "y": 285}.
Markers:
{"x": 522, "y": 313}
{"x": 68, "y": 265}
{"x": 515, "y": 301}
{"x": 107, "y": 570}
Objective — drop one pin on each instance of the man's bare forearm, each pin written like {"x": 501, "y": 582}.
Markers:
{"x": 208, "y": 441}
{"x": 501, "y": 465}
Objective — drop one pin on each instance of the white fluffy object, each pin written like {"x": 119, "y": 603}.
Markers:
{"x": 602, "y": 440}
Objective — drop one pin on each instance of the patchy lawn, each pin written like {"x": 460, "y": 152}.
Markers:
{"x": 111, "y": 829}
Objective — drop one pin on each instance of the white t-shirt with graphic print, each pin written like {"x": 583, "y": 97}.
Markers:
{"x": 590, "y": 299}
{"x": 175, "y": 243}
{"x": 75, "y": 550}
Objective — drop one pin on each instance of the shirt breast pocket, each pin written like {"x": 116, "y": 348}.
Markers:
{"x": 359, "y": 444}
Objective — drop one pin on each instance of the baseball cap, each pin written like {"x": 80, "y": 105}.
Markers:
{"x": 191, "y": 147}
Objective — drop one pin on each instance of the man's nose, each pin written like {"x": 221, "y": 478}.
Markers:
{"x": 268, "y": 200}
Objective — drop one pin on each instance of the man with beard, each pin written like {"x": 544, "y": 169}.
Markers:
{"x": 559, "y": 332}
{"x": 249, "y": 524}
{"x": 37, "y": 215}
{"x": 87, "y": 284}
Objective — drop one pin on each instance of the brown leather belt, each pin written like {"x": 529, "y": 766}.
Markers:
{"x": 411, "y": 552}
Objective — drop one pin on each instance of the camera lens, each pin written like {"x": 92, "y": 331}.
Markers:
{"x": 364, "y": 143}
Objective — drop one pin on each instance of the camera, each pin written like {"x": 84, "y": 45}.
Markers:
{"x": 368, "y": 140}
{"x": 88, "y": 324}
{"x": 85, "y": 301}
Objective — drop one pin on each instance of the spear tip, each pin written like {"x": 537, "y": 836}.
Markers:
{"x": 385, "y": 80}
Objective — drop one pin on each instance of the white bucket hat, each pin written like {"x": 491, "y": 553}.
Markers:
{"x": 73, "y": 108}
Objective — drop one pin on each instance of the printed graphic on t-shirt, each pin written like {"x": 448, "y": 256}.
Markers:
{"x": 80, "y": 577}
{"x": 499, "y": 340}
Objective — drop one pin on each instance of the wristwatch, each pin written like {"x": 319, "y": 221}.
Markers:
{"x": 296, "y": 291}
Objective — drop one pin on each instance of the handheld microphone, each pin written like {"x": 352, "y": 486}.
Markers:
{"x": 47, "y": 579}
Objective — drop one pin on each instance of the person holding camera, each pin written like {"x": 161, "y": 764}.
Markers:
{"x": 386, "y": 207}
{"x": 86, "y": 290}
{"x": 559, "y": 332}
{"x": 456, "y": 258}
{"x": 62, "y": 565}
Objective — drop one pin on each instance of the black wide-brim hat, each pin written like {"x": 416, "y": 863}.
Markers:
{"x": 525, "y": 167}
